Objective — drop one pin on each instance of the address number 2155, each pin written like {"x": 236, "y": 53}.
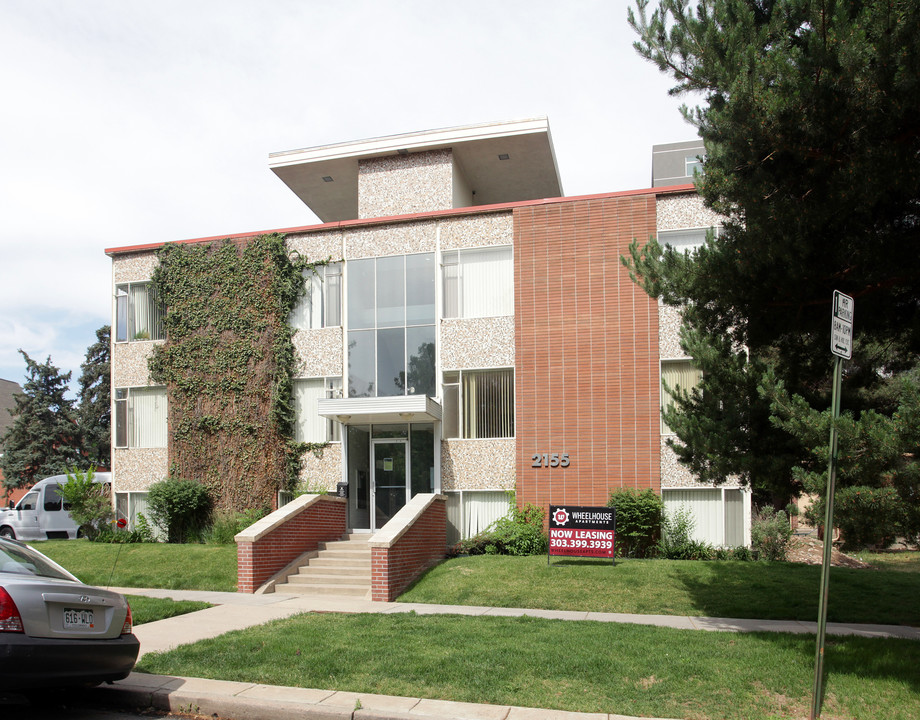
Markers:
{"x": 542, "y": 460}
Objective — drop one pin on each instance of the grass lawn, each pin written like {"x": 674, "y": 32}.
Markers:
{"x": 146, "y": 565}
{"x": 778, "y": 591}
{"x": 580, "y": 666}
{"x": 147, "y": 609}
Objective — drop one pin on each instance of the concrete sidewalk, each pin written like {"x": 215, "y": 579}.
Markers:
{"x": 249, "y": 701}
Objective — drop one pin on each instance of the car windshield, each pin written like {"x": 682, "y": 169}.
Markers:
{"x": 21, "y": 560}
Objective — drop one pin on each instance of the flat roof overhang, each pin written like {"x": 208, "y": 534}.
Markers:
{"x": 326, "y": 177}
{"x": 380, "y": 410}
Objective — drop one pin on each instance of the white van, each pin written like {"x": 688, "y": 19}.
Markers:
{"x": 41, "y": 513}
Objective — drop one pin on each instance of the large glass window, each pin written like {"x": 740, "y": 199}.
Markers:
{"x": 479, "y": 403}
{"x": 391, "y": 330}
{"x": 309, "y": 426}
{"x": 478, "y": 282}
{"x": 683, "y": 240}
{"x": 138, "y": 313}
{"x": 676, "y": 374}
{"x": 321, "y": 304}
{"x": 140, "y": 417}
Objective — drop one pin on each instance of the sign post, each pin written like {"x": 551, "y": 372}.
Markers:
{"x": 842, "y": 348}
{"x": 582, "y": 532}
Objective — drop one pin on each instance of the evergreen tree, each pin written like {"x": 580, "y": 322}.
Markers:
{"x": 811, "y": 123}
{"x": 44, "y": 437}
{"x": 95, "y": 401}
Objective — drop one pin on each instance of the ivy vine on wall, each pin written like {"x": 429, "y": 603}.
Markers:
{"x": 228, "y": 363}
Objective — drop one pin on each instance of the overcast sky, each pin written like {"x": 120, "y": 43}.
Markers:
{"x": 126, "y": 122}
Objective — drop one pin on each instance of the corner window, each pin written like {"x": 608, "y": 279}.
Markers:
{"x": 693, "y": 164}
{"x": 676, "y": 374}
{"x": 309, "y": 427}
{"x": 138, "y": 313}
{"x": 478, "y": 403}
{"x": 321, "y": 304}
{"x": 478, "y": 282}
{"x": 140, "y": 417}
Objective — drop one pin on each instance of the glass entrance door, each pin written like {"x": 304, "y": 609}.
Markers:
{"x": 390, "y": 479}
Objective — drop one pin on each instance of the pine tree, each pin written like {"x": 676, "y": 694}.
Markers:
{"x": 811, "y": 124}
{"x": 44, "y": 438}
{"x": 95, "y": 401}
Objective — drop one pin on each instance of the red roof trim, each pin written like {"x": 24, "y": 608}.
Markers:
{"x": 453, "y": 212}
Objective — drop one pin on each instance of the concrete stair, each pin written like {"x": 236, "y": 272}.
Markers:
{"x": 341, "y": 567}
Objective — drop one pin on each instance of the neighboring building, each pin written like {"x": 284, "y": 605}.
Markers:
{"x": 8, "y": 389}
{"x": 675, "y": 163}
{"x": 477, "y": 334}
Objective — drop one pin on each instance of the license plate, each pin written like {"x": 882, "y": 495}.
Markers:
{"x": 77, "y": 619}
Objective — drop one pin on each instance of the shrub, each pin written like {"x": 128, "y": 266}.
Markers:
{"x": 770, "y": 533}
{"x": 518, "y": 533}
{"x": 638, "y": 518}
{"x": 179, "y": 508}
{"x": 90, "y": 502}
{"x": 868, "y": 516}
{"x": 676, "y": 542}
{"x": 226, "y": 525}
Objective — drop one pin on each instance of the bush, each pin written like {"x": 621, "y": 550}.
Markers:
{"x": 518, "y": 533}
{"x": 770, "y": 533}
{"x": 90, "y": 503}
{"x": 227, "y": 525}
{"x": 638, "y": 521}
{"x": 181, "y": 509}
{"x": 676, "y": 542}
{"x": 868, "y": 516}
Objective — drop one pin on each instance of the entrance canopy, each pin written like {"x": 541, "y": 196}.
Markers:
{"x": 380, "y": 410}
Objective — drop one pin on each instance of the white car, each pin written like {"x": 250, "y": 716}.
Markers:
{"x": 41, "y": 514}
{"x": 54, "y": 630}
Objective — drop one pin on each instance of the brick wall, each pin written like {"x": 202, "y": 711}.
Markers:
{"x": 396, "y": 562}
{"x": 278, "y": 539}
{"x": 586, "y": 347}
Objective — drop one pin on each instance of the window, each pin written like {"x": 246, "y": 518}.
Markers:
{"x": 676, "y": 374}
{"x": 693, "y": 164}
{"x": 391, "y": 331}
{"x": 684, "y": 240}
{"x": 140, "y": 417}
{"x": 308, "y": 425}
{"x": 478, "y": 282}
{"x": 479, "y": 403}
{"x": 138, "y": 313}
{"x": 321, "y": 304}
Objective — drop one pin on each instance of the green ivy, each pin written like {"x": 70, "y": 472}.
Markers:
{"x": 228, "y": 365}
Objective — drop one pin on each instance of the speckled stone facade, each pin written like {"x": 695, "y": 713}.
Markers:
{"x": 403, "y": 184}
{"x": 676, "y": 212}
{"x": 317, "y": 246}
{"x": 477, "y": 231}
{"x": 391, "y": 239}
{"x": 669, "y": 332}
{"x": 324, "y": 469}
{"x": 129, "y": 363}
{"x": 673, "y": 473}
{"x": 319, "y": 352}
{"x": 136, "y": 469}
{"x": 134, "y": 267}
{"x": 477, "y": 343}
{"x": 478, "y": 464}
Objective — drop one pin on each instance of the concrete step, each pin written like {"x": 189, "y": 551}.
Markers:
{"x": 349, "y": 590}
{"x": 321, "y": 579}
{"x": 322, "y": 561}
{"x": 336, "y": 569}
{"x": 341, "y": 567}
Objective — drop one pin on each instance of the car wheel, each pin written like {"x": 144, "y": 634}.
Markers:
{"x": 7, "y": 532}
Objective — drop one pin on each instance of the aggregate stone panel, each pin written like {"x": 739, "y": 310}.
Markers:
{"x": 478, "y": 464}
{"x": 477, "y": 343}
{"x": 316, "y": 246}
{"x": 322, "y": 468}
{"x": 482, "y": 230}
{"x": 403, "y": 184}
{"x": 399, "y": 238}
{"x": 134, "y": 267}
{"x": 669, "y": 332}
{"x": 677, "y": 212}
{"x": 129, "y": 363}
{"x": 136, "y": 469}
{"x": 319, "y": 352}
{"x": 673, "y": 473}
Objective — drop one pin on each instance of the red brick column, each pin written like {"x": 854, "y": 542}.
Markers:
{"x": 413, "y": 541}
{"x": 268, "y": 546}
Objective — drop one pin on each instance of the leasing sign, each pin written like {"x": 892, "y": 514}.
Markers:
{"x": 577, "y": 531}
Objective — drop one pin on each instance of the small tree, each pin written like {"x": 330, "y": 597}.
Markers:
{"x": 95, "y": 409}
{"x": 638, "y": 518}
{"x": 89, "y": 502}
{"x": 181, "y": 509}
